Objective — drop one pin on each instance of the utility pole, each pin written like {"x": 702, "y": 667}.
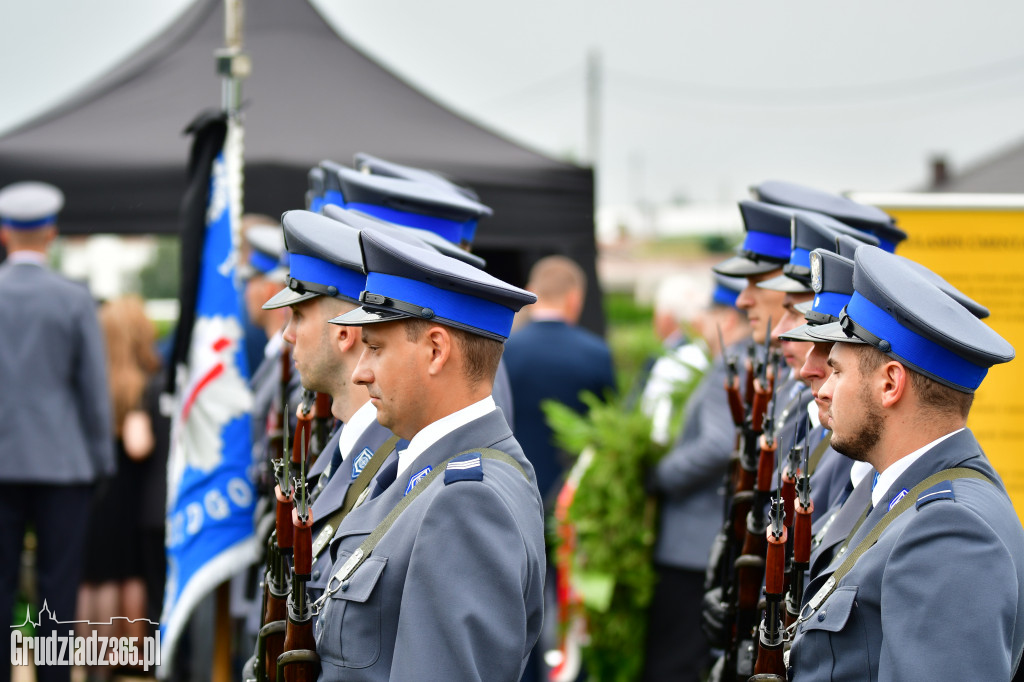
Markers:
{"x": 594, "y": 83}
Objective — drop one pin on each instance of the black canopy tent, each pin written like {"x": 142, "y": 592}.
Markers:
{"x": 117, "y": 150}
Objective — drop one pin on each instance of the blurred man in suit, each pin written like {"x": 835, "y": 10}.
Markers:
{"x": 553, "y": 359}
{"x": 55, "y": 416}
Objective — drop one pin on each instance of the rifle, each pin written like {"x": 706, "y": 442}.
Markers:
{"x": 787, "y": 489}
{"x": 769, "y": 665}
{"x": 720, "y": 583}
{"x": 801, "y": 544}
{"x": 270, "y": 641}
{"x": 298, "y": 661}
{"x": 732, "y": 383}
{"x": 750, "y": 565}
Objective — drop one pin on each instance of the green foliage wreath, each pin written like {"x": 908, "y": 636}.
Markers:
{"x": 615, "y": 524}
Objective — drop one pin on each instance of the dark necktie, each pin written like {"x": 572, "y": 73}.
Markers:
{"x": 385, "y": 478}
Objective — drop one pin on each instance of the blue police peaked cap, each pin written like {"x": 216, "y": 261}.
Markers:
{"x": 766, "y": 245}
{"x": 315, "y": 191}
{"x": 404, "y": 202}
{"x": 832, "y": 283}
{"x": 267, "y": 255}
{"x": 727, "y": 289}
{"x": 411, "y": 235}
{"x": 367, "y": 163}
{"x": 324, "y": 260}
{"x": 810, "y": 231}
{"x": 868, "y": 218}
{"x": 30, "y": 205}
{"x": 973, "y": 307}
{"x": 406, "y": 281}
{"x": 903, "y": 315}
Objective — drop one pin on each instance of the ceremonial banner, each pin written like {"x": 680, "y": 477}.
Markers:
{"x": 976, "y": 242}
{"x": 210, "y": 499}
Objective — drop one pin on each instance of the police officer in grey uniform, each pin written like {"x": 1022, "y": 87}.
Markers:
{"x": 325, "y": 279}
{"x": 810, "y": 231}
{"x": 761, "y": 258}
{"x": 263, "y": 273}
{"x": 937, "y": 564}
{"x": 450, "y": 587}
{"x": 836, "y": 476}
{"x": 55, "y": 416}
{"x": 417, "y": 199}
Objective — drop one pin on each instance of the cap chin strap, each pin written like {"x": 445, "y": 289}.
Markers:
{"x": 854, "y": 330}
{"x": 394, "y": 304}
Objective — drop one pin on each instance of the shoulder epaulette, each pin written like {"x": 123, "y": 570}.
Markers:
{"x": 940, "y": 491}
{"x": 465, "y": 467}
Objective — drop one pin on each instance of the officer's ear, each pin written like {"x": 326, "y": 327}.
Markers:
{"x": 347, "y": 338}
{"x": 439, "y": 342}
{"x": 894, "y": 379}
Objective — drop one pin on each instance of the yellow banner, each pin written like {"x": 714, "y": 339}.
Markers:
{"x": 976, "y": 242}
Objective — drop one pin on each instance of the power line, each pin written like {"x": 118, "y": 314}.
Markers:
{"x": 831, "y": 95}
{"x": 553, "y": 84}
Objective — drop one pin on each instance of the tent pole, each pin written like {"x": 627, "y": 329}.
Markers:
{"x": 233, "y": 66}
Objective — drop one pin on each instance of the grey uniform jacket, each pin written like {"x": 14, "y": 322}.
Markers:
{"x": 454, "y": 590}
{"x": 945, "y": 584}
{"x": 55, "y": 416}
{"x": 831, "y": 477}
{"x": 690, "y": 476}
{"x": 333, "y": 496}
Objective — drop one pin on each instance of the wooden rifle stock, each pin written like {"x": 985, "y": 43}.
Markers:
{"x": 801, "y": 549}
{"x": 299, "y": 631}
{"x": 276, "y": 611}
{"x": 298, "y": 661}
{"x": 772, "y": 639}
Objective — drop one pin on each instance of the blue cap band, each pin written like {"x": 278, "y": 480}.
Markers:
{"x": 830, "y": 303}
{"x": 316, "y": 203}
{"x": 469, "y": 232}
{"x": 262, "y": 261}
{"x": 886, "y": 245}
{"x": 333, "y": 196}
{"x": 914, "y": 348}
{"x": 449, "y": 229}
{"x": 800, "y": 257}
{"x": 349, "y": 283}
{"x": 770, "y": 245}
{"x": 464, "y": 309}
{"x": 28, "y": 224}
{"x": 725, "y": 296}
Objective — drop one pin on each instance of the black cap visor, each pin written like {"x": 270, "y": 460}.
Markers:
{"x": 785, "y": 283}
{"x": 368, "y": 315}
{"x": 741, "y": 266}
{"x": 288, "y": 297}
{"x": 833, "y": 332}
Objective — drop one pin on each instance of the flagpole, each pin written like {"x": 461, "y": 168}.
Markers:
{"x": 234, "y": 66}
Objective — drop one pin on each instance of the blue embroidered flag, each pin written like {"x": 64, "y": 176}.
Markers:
{"x": 210, "y": 499}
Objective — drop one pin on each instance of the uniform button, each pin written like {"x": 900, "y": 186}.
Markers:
{"x": 316, "y": 575}
{"x": 344, "y": 586}
{"x": 821, "y": 617}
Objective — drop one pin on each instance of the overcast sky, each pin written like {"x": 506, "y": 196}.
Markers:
{"x": 697, "y": 99}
